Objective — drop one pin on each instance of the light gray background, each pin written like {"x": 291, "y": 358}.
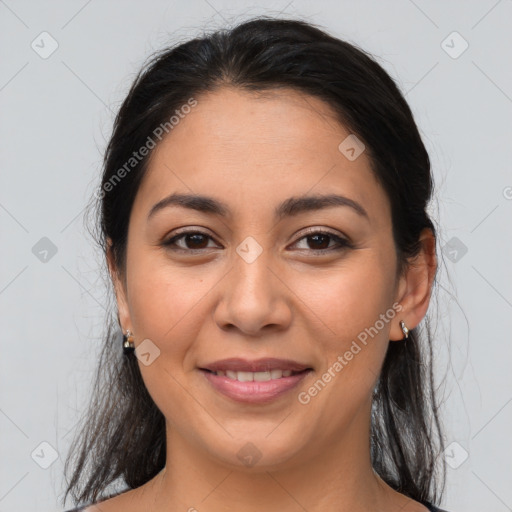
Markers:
{"x": 56, "y": 115}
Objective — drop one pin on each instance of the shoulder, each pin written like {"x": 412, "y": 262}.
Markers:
{"x": 433, "y": 508}
{"x": 90, "y": 508}
{"x": 125, "y": 501}
{"x": 423, "y": 506}
{"x": 93, "y": 508}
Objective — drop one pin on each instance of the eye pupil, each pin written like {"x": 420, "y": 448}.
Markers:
{"x": 317, "y": 237}
{"x": 196, "y": 240}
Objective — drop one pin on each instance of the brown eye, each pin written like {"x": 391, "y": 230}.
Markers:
{"x": 191, "y": 241}
{"x": 320, "y": 242}
{"x": 196, "y": 241}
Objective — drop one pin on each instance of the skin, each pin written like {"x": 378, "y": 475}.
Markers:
{"x": 252, "y": 152}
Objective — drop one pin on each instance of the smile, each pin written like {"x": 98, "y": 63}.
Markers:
{"x": 254, "y": 387}
{"x": 255, "y": 376}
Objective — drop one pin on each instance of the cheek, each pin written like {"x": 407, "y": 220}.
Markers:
{"x": 356, "y": 304}
{"x": 350, "y": 298}
{"x": 166, "y": 307}
{"x": 162, "y": 298}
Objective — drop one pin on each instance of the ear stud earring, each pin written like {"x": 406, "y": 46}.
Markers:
{"x": 128, "y": 344}
{"x": 405, "y": 330}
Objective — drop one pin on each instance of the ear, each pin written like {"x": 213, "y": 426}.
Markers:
{"x": 415, "y": 286}
{"x": 120, "y": 290}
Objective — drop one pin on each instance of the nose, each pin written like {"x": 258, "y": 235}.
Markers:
{"x": 254, "y": 299}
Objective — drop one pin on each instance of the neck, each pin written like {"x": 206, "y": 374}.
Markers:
{"x": 339, "y": 477}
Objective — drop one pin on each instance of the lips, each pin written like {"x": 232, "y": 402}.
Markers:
{"x": 258, "y": 365}
{"x": 255, "y": 382}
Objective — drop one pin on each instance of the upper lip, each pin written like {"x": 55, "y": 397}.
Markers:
{"x": 237, "y": 364}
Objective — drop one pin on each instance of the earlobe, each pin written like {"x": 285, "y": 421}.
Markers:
{"x": 415, "y": 286}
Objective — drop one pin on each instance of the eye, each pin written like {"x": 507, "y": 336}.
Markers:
{"x": 193, "y": 240}
{"x": 319, "y": 242}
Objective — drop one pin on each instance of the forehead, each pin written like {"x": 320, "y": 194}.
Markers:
{"x": 256, "y": 149}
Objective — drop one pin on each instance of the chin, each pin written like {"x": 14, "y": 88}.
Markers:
{"x": 257, "y": 453}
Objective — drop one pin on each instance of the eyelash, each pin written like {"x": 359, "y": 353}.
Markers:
{"x": 342, "y": 242}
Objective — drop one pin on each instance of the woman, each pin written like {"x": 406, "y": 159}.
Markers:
{"x": 263, "y": 217}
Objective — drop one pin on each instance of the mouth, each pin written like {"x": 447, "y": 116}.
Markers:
{"x": 263, "y": 376}
{"x": 255, "y": 382}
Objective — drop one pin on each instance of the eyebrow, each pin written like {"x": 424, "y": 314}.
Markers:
{"x": 290, "y": 207}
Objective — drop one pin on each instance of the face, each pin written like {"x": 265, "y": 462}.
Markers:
{"x": 316, "y": 285}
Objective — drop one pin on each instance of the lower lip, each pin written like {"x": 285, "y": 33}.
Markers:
{"x": 254, "y": 392}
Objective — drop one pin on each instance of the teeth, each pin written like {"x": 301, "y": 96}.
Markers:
{"x": 262, "y": 376}
{"x": 245, "y": 376}
{"x": 254, "y": 376}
